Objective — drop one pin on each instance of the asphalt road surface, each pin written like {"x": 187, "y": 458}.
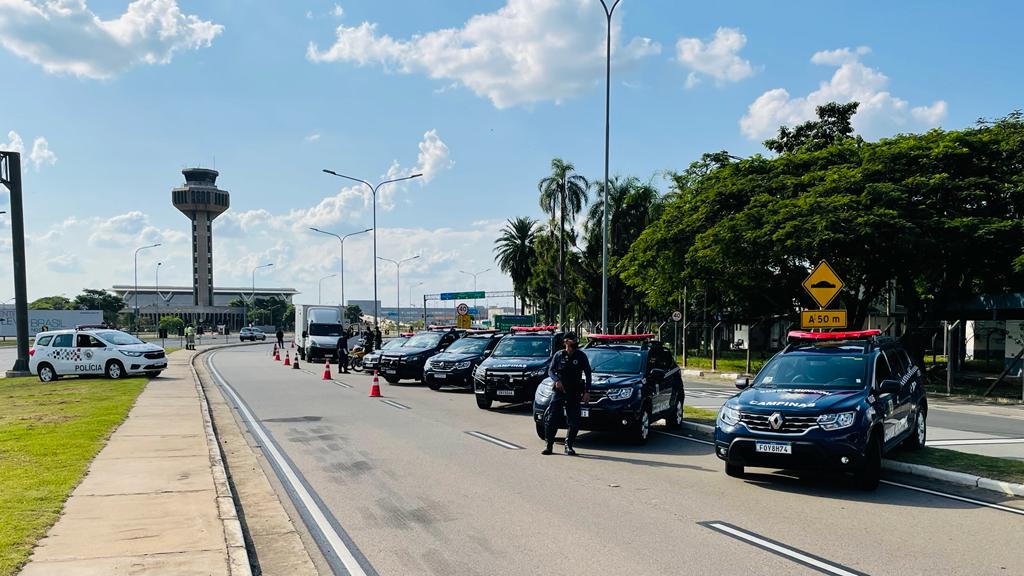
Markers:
{"x": 424, "y": 482}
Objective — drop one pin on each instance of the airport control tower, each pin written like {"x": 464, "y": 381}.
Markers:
{"x": 201, "y": 200}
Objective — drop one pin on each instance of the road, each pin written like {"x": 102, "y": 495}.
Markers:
{"x": 424, "y": 482}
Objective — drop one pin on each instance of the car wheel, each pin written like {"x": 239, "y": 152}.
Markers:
{"x": 115, "y": 370}
{"x": 47, "y": 373}
{"x": 920, "y": 434}
{"x": 734, "y": 470}
{"x": 675, "y": 418}
{"x": 153, "y": 373}
{"x": 391, "y": 380}
{"x": 483, "y": 402}
{"x": 540, "y": 431}
{"x": 870, "y": 471}
{"x": 434, "y": 385}
{"x": 640, "y": 431}
{"x": 357, "y": 365}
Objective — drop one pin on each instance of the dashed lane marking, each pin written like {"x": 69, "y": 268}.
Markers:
{"x": 799, "y": 556}
{"x": 396, "y": 404}
{"x": 494, "y": 440}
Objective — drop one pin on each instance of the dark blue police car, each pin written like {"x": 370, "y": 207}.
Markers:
{"x": 828, "y": 400}
{"x": 636, "y": 382}
{"x": 517, "y": 366}
{"x": 455, "y": 366}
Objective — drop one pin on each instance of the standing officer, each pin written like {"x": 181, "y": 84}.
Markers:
{"x": 343, "y": 352}
{"x": 568, "y": 368}
{"x": 378, "y": 340}
{"x": 280, "y": 338}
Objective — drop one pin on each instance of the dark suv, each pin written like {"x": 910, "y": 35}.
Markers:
{"x": 518, "y": 364}
{"x": 371, "y": 360}
{"x": 636, "y": 381}
{"x": 407, "y": 361}
{"x": 455, "y": 366}
{"x": 828, "y": 400}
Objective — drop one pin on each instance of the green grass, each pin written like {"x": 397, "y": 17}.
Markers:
{"x": 171, "y": 349}
{"x": 699, "y": 415}
{"x": 730, "y": 361}
{"x": 985, "y": 466}
{"x": 48, "y": 435}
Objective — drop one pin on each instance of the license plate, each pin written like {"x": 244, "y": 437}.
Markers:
{"x": 773, "y": 447}
{"x": 584, "y": 412}
{"x": 440, "y": 376}
{"x": 505, "y": 392}
{"x": 387, "y": 371}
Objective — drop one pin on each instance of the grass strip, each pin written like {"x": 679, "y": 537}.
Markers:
{"x": 699, "y": 415}
{"x": 985, "y": 466}
{"x": 48, "y": 435}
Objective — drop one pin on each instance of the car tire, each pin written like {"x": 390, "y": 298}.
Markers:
{"x": 434, "y": 385}
{"x": 115, "y": 370}
{"x": 540, "y": 431}
{"x": 674, "y": 419}
{"x": 153, "y": 373}
{"x": 870, "y": 471}
{"x": 640, "y": 430}
{"x": 46, "y": 373}
{"x": 734, "y": 470}
{"x": 483, "y": 402}
{"x": 391, "y": 380}
{"x": 357, "y": 365}
{"x": 919, "y": 436}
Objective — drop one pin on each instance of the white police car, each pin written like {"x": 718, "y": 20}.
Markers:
{"x": 92, "y": 350}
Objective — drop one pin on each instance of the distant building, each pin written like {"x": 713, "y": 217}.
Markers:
{"x": 178, "y": 301}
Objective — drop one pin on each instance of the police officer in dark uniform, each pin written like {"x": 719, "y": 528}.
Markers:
{"x": 568, "y": 369}
{"x": 343, "y": 352}
{"x": 378, "y": 339}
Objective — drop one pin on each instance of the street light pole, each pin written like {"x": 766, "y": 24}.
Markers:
{"x": 398, "y": 283}
{"x": 320, "y": 289}
{"x": 136, "y": 294}
{"x": 474, "y": 275}
{"x": 252, "y": 296}
{"x": 607, "y": 131}
{"x": 158, "y": 265}
{"x": 410, "y": 292}
{"x": 373, "y": 191}
{"x": 341, "y": 265}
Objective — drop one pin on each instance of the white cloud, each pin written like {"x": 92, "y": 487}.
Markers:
{"x": 309, "y": 14}
{"x": 527, "y": 51}
{"x": 41, "y": 153}
{"x": 312, "y": 137}
{"x": 129, "y": 229}
{"x": 65, "y": 36}
{"x": 718, "y": 58}
{"x": 337, "y": 11}
{"x": 880, "y": 113}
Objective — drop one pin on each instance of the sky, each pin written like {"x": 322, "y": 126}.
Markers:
{"x": 109, "y": 100}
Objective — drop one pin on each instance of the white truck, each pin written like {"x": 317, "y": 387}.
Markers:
{"x": 319, "y": 328}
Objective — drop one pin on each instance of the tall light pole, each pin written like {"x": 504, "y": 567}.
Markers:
{"x": 474, "y": 275}
{"x": 398, "y": 282}
{"x": 136, "y": 295}
{"x": 373, "y": 191}
{"x": 607, "y": 130}
{"x": 158, "y": 265}
{"x": 341, "y": 265}
{"x": 411, "y": 303}
{"x": 320, "y": 289}
{"x": 252, "y": 296}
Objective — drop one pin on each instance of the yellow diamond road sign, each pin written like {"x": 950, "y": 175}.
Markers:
{"x": 823, "y": 284}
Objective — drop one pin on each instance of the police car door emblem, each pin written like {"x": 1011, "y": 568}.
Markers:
{"x": 775, "y": 420}
{"x": 88, "y": 354}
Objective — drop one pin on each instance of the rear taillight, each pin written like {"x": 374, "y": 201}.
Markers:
{"x": 31, "y": 351}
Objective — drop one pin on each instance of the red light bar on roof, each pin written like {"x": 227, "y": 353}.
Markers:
{"x": 534, "y": 328}
{"x": 407, "y": 334}
{"x": 621, "y": 337}
{"x": 854, "y": 335}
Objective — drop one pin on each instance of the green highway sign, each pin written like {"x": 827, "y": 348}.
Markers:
{"x": 504, "y": 322}
{"x": 462, "y": 295}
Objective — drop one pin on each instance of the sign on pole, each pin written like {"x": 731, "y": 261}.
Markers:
{"x": 462, "y": 309}
{"x": 677, "y": 316}
{"x": 823, "y": 284}
{"x": 464, "y": 321}
{"x": 823, "y": 319}
{"x": 463, "y": 295}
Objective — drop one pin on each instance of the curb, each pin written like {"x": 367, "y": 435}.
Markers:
{"x": 238, "y": 554}
{"x": 958, "y": 478}
{"x": 694, "y": 373}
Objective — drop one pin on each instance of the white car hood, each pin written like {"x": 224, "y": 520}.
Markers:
{"x": 324, "y": 341}
{"x": 139, "y": 348}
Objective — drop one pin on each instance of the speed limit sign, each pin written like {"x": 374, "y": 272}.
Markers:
{"x": 462, "y": 309}
{"x": 677, "y": 316}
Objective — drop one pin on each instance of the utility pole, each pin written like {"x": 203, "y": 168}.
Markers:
{"x": 10, "y": 176}
{"x": 607, "y": 134}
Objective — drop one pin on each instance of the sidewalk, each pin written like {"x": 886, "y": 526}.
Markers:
{"x": 155, "y": 500}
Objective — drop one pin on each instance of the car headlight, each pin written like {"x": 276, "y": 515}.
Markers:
{"x": 620, "y": 393}
{"x": 130, "y": 353}
{"x": 837, "y": 421}
{"x": 537, "y": 373}
{"x": 544, "y": 390}
{"x": 463, "y": 365}
{"x": 729, "y": 415}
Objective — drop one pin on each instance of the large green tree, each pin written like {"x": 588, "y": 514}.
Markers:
{"x": 563, "y": 194}
{"x": 93, "y": 299}
{"x": 51, "y": 303}
{"x": 515, "y": 254}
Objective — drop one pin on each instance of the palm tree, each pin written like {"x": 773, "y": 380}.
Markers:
{"x": 563, "y": 193}
{"x": 515, "y": 254}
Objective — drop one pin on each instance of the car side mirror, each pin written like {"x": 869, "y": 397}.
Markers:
{"x": 743, "y": 383}
{"x": 889, "y": 386}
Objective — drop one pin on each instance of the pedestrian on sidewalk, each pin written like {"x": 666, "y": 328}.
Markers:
{"x": 343, "y": 353}
{"x": 190, "y": 338}
{"x": 568, "y": 369}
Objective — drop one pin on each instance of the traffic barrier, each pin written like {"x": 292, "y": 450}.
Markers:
{"x": 375, "y": 388}
{"x": 287, "y": 359}
{"x": 327, "y": 369}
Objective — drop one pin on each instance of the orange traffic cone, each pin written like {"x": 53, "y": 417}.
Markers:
{"x": 375, "y": 388}
{"x": 293, "y": 344}
{"x": 277, "y": 354}
{"x": 287, "y": 359}
{"x": 295, "y": 364}
{"x": 327, "y": 369}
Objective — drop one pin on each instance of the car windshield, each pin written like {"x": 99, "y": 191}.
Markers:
{"x": 394, "y": 343}
{"x": 825, "y": 369}
{"x": 522, "y": 346}
{"x": 325, "y": 330}
{"x": 468, "y": 346}
{"x": 119, "y": 338}
{"x": 611, "y": 361}
{"x": 428, "y": 340}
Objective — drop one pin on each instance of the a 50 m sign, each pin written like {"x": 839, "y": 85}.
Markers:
{"x": 823, "y": 319}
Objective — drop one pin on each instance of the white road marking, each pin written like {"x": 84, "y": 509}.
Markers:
{"x": 493, "y": 440}
{"x": 680, "y": 436}
{"x": 955, "y": 497}
{"x": 975, "y": 441}
{"x": 791, "y": 553}
{"x": 396, "y": 404}
{"x": 318, "y": 515}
